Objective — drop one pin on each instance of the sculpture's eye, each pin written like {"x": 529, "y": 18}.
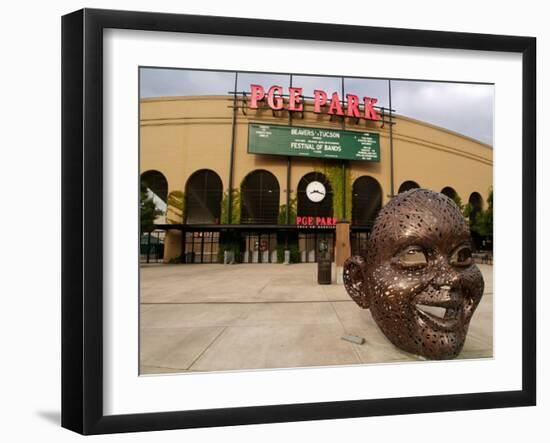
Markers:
{"x": 462, "y": 256}
{"x": 412, "y": 257}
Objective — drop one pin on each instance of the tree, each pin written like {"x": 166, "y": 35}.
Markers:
{"x": 292, "y": 213}
{"x": 458, "y": 202}
{"x": 482, "y": 223}
{"x": 148, "y": 210}
{"x": 235, "y": 208}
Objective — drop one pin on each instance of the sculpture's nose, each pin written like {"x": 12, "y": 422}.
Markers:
{"x": 446, "y": 277}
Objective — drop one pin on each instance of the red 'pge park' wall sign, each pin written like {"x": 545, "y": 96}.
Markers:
{"x": 315, "y": 222}
{"x": 276, "y": 102}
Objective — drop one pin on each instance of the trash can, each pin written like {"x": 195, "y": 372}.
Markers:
{"x": 324, "y": 264}
{"x": 324, "y": 271}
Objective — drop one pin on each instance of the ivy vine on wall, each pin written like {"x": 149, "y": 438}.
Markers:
{"x": 235, "y": 208}
{"x": 334, "y": 175}
{"x": 293, "y": 211}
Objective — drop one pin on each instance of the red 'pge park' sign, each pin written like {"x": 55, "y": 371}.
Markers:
{"x": 315, "y": 222}
{"x": 295, "y": 102}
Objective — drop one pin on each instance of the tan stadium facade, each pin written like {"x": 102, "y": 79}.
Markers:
{"x": 194, "y": 149}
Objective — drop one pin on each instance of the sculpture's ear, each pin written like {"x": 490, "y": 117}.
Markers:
{"x": 355, "y": 280}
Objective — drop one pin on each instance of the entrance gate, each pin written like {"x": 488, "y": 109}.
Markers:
{"x": 202, "y": 247}
{"x": 151, "y": 247}
{"x": 359, "y": 243}
{"x": 260, "y": 247}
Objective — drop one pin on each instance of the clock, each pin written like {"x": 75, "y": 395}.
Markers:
{"x": 315, "y": 191}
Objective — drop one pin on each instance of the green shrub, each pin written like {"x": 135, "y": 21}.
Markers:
{"x": 292, "y": 247}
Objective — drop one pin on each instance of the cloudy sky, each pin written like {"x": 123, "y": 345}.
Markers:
{"x": 464, "y": 108}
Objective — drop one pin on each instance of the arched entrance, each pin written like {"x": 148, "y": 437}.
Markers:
{"x": 453, "y": 195}
{"x": 260, "y": 198}
{"x": 476, "y": 204}
{"x": 407, "y": 186}
{"x": 366, "y": 202}
{"x": 203, "y": 196}
{"x": 449, "y": 192}
{"x": 156, "y": 183}
{"x": 260, "y": 205}
{"x": 154, "y": 186}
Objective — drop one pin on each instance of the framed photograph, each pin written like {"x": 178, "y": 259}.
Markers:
{"x": 270, "y": 221}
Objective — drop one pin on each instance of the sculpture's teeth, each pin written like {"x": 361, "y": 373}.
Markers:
{"x": 436, "y": 311}
{"x": 438, "y": 317}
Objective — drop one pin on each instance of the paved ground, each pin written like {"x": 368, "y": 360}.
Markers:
{"x": 228, "y": 317}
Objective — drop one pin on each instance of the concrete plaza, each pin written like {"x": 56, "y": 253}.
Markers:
{"x": 197, "y": 318}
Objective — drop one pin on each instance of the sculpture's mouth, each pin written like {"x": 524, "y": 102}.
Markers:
{"x": 441, "y": 310}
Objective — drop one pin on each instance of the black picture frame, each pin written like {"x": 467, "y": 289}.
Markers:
{"x": 82, "y": 260}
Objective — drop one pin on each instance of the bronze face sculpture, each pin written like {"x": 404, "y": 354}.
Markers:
{"x": 418, "y": 278}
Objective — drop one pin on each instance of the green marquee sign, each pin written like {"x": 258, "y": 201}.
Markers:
{"x": 313, "y": 142}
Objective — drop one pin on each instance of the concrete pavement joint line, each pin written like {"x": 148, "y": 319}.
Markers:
{"x": 346, "y": 332}
{"x": 264, "y": 286}
{"x": 207, "y": 347}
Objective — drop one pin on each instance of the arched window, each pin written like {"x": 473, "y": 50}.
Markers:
{"x": 260, "y": 198}
{"x": 156, "y": 183}
{"x": 407, "y": 186}
{"x": 203, "y": 196}
{"x": 317, "y": 203}
{"x": 476, "y": 204}
{"x": 366, "y": 200}
{"x": 449, "y": 192}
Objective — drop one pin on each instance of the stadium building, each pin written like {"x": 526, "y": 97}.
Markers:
{"x": 249, "y": 175}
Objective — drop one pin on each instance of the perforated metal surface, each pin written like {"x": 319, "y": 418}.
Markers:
{"x": 418, "y": 261}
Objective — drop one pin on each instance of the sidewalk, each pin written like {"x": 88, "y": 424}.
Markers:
{"x": 251, "y": 316}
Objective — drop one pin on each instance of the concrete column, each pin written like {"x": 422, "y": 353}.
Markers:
{"x": 172, "y": 245}
{"x": 342, "y": 248}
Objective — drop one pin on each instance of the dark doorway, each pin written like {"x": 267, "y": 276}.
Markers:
{"x": 203, "y": 196}
{"x": 449, "y": 192}
{"x": 476, "y": 204}
{"x": 407, "y": 186}
{"x": 260, "y": 198}
{"x": 366, "y": 200}
{"x": 155, "y": 182}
